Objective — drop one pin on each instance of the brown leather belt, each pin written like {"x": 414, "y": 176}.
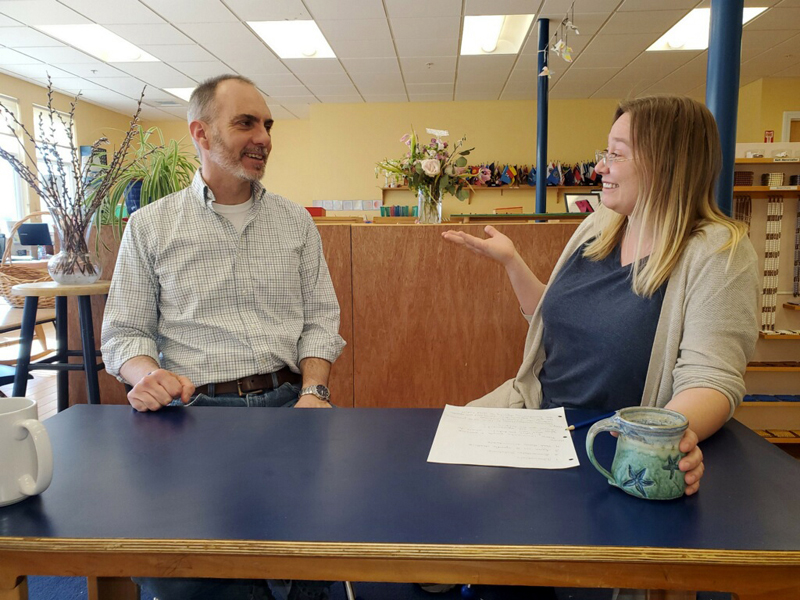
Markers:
{"x": 253, "y": 384}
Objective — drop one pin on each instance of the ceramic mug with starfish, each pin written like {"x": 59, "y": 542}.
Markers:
{"x": 646, "y": 461}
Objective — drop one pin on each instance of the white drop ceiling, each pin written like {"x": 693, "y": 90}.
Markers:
{"x": 387, "y": 50}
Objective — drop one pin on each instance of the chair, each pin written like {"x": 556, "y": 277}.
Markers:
{"x": 7, "y": 376}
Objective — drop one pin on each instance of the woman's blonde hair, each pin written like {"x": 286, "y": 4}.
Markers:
{"x": 676, "y": 147}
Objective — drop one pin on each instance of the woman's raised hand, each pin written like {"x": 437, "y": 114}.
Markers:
{"x": 497, "y": 246}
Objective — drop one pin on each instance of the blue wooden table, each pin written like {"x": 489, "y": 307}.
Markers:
{"x": 347, "y": 494}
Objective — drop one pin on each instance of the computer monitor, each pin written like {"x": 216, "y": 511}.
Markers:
{"x": 34, "y": 234}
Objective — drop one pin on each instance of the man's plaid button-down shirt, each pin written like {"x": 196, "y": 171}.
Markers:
{"x": 214, "y": 305}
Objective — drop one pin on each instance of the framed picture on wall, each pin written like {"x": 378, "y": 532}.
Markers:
{"x": 586, "y": 203}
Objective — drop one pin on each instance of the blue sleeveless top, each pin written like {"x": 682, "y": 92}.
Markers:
{"x": 598, "y": 335}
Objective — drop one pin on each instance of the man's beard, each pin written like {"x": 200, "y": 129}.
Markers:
{"x": 231, "y": 162}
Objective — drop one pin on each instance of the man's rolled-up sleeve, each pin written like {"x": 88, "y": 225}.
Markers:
{"x": 130, "y": 321}
{"x": 320, "y": 337}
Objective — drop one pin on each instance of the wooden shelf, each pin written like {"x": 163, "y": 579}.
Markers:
{"x": 789, "y": 306}
{"x": 767, "y": 161}
{"x": 778, "y": 336}
{"x": 766, "y": 188}
{"x": 782, "y": 367}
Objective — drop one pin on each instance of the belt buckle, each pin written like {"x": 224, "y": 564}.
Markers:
{"x": 242, "y": 392}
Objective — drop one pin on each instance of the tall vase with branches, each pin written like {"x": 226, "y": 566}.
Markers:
{"x": 72, "y": 211}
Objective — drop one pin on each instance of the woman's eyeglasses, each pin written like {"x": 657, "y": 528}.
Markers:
{"x": 606, "y": 157}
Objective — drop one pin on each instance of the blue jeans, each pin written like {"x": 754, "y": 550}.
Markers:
{"x": 165, "y": 588}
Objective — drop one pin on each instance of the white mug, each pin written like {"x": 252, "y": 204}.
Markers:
{"x": 26, "y": 456}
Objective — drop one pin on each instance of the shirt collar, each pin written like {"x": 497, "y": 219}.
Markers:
{"x": 203, "y": 193}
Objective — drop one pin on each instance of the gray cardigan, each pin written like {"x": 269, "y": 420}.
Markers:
{"x": 706, "y": 332}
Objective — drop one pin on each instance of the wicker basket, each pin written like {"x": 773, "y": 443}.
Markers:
{"x": 14, "y": 274}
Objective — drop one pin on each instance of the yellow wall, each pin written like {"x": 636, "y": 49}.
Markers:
{"x": 748, "y": 123}
{"x": 91, "y": 122}
{"x": 762, "y": 104}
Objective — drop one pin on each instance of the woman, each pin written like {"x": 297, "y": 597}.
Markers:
{"x": 654, "y": 299}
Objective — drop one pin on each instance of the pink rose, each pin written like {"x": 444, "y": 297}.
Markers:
{"x": 431, "y": 167}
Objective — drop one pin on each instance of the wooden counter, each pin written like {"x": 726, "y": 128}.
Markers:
{"x": 426, "y": 323}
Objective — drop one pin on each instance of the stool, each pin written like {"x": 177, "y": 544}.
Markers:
{"x": 60, "y": 361}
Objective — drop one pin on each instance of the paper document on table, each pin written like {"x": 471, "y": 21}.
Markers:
{"x": 504, "y": 437}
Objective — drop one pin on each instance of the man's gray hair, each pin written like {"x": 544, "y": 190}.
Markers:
{"x": 201, "y": 104}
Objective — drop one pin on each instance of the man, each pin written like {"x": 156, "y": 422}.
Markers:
{"x": 221, "y": 295}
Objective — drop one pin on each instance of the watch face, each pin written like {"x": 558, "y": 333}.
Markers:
{"x": 322, "y": 391}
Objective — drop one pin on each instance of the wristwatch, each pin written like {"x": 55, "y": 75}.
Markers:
{"x": 319, "y": 390}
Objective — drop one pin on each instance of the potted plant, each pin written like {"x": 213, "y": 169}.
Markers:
{"x": 157, "y": 169}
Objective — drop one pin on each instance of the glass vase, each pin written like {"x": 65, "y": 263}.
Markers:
{"x": 75, "y": 263}
{"x": 429, "y": 206}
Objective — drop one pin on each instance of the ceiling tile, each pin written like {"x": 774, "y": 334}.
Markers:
{"x": 793, "y": 71}
{"x": 423, "y": 8}
{"x": 282, "y": 80}
{"x": 380, "y": 87}
{"x": 560, "y": 7}
{"x": 299, "y": 110}
{"x": 325, "y": 79}
{"x": 573, "y": 90}
{"x": 631, "y": 42}
{"x": 655, "y": 65}
{"x": 499, "y": 7}
{"x": 327, "y": 10}
{"x": 429, "y": 47}
{"x": 401, "y": 97}
{"x": 179, "y": 53}
{"x": 371, "y": 65}
{"x": 640, "y": 5}
{"x": 492, "y": 89}
{"x": 281, "y": 114}
{"x": 38, "y": 72}
{"x": 234, "y": 44}
{"x": 274, "y": 10}
{"x": 487, "y": 68}
{"x": 754, "y": 42}
{"x": 518, "y": 95}
{"x": 25, "y": 37}
{"x": 652, "y": 21}
{"x": 157, "y": 74}
{"x": 118, "y": 11}
{"x": 320, "y": 90}
{"x": 192, "y": 11}
{"x": 157, "y": 34}
{"x": 439, "y": 97}
{"x": 478, "y": 96}
{"x": 430, "y": 88}
{"x": 127, "y": 86}
{"x": 41, "y": 12}
{"x": 683, "y": 80}
{"x": 588, "y": 23}
{"x": 155, "y": 114}
{"x": 620, "y": 89}
{"x": 98, "y": 70}
{"x": 775, "y": 19}
{"x": 591, "y": 78}
{"x": 429, "y": 76}
{"x": 351, "y": 99}
{"x": 12, "y": 57}
{"x": 427, "y": 28}
{"x": 428, "y": 63}
{"x": 527, "y": 62}
{"x": 522, "y": 81}
{"x": 63, "y": 56}
{"x": 201, "y": 70}
{"x": 360, "y": 48}
{"x": 8, "y": 22}
{"x": 311, "y": 66}
{"x": 355, "y": 29}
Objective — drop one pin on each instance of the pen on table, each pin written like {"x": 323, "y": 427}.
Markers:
{"x": 591, "y": 421}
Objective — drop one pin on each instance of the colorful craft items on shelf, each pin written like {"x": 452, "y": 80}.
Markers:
{"x": 498, "y": 175}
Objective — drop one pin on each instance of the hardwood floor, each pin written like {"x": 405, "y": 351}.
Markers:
{"x": 42, "y": 387}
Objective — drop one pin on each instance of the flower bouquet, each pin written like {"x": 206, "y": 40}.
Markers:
{"x": 431, "y": 170}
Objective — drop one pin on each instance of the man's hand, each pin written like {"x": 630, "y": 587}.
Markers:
{"x": 311, "y": 401}
{"x": 691, "y": 464}
{"x": 158, "y": 388}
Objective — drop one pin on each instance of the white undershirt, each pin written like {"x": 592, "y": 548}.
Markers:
{"x": 235, "y": 213}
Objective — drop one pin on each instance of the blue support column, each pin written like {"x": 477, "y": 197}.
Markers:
{"x": 722, "y": 86}
{"x": 543, "y": 91}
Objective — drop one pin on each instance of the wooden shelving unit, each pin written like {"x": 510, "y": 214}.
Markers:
{"x": 778, "y": 336}
{"x": 790, "y": 306}
{"x": 767, "y": 161}
{"x": 782, "y": 367}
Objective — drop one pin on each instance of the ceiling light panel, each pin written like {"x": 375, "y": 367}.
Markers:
{"x": 98, "y": 41}
{"x": 293, "y": 39}
{"x": 182, "y": 93}
{"x": 494, "y": 34}
{"x": 691, "y": 32}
